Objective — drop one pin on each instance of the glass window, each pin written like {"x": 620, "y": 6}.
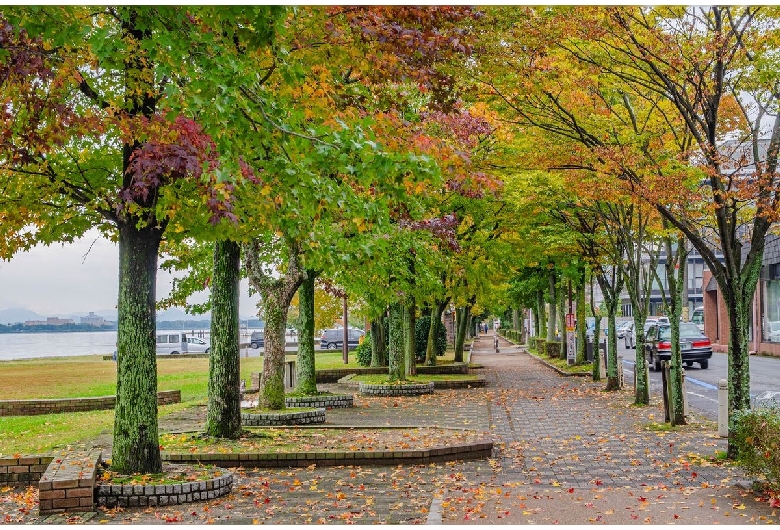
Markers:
{"x": 173, "y": 339}
{"x": 771, "y": 310}
{"x": 162, "y": 339}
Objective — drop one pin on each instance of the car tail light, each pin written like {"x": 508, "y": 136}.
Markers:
{"x": 664, "y": 345}
{"x": 700, "y": 343}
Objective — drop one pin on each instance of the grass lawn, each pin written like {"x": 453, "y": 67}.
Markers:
{"x": 90, "y": 376}
{"x": 563, "y": 364}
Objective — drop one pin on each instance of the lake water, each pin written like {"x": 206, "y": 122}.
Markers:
{"x": 31, "y": 345}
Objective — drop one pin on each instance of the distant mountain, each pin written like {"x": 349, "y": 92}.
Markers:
{"x": 18, "y": 314}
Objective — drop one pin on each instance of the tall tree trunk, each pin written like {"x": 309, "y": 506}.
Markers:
{"x": 223, "y": 414}
{"x": 305, "y": 372}
{"x": 541, "y": 320}
{"x": 596, "y": 372}
{"x": 611, "y": 284}
{"x": 410, "y": 344}
{"x": 738, "y": 301}
{"x": 378, "y": 342}
{"x": 277, "y": 293}
{"x": 462, "y": 321}
{"x": 552, "y": 317}
{"x": 396, "y": 371}
{"x": 433, "y": 332}
{"x": 136, "y": 447}
{"x": 562, "y": 322}
{"x": 582, "y": 326}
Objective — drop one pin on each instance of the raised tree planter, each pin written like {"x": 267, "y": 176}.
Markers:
{"x": 281, "y": 418}
{"x": 129, "y": 495}
{"x": 414, "y": 389}
{"x": 325, "y": 401}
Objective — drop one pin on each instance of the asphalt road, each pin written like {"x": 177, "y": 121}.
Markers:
{"x": 702, "y": 385}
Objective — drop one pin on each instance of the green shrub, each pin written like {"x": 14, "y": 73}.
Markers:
{"x": 363, "y": 351}
{"x": 757, "y": 440}
{"x": 541, "y": 345}
{"x": 421, "y": 327}
{"x": 553, "y": 349}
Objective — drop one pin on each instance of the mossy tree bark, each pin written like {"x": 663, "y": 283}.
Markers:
{"x": 277, "y": 293}
{"x": 223, "y": 415}
{"x": 306, "y": 375}
{"x": 409, "y": 338}
{"x": 136, "y": 447}
{"x": 552, "y": 316}
{"x": 541, "y": 319}
{"x": 582, "y": 327}
{"x": 611, "y": 283}
{"x": 562, "y": 321}
{"x": 396, "y": 371}
{"x": 378, "y": 342}
{"x": 462, "y": 320}
{"x": 430, "y": 347}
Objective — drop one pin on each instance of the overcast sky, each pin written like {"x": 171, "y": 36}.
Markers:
{"x": 74, "y": 279}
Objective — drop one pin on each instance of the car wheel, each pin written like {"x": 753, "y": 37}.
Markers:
{"x": 174, "y": 353}
{"x": 207, "y": 350}
{"x": 254, "y": 345}
{"x": 326, "y": 346}
{"x": 704, "y": 364}
{"x": 658, "y": 365}
{"x": 688, "y": 364}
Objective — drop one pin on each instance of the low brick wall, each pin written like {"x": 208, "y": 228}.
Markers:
{"x": 23, "y": 471}
{"x": 68, "y": 484}
{"x": 327, "y": 402}
{"x": 471, "y": 451}
{"x": 396, "y": 390}
{"x": 278, "y": 419}
{"x": 126, "y": 496}
{"x": 332, "y": 376}
{"x": 34, "y": 407}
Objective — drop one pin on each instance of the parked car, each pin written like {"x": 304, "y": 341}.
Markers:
{"x": 620, "y": 331}
{"x": 257, "y": 339}
{"x": 630, "y": 335}
{"x": 172, "y": 343}
{"x": 334, "y": 338}
{"x": 697, "y": 317}
{"x": 197, "y": 345}
{"x": 774, "y": 331}
{"x": 695, "y": 347}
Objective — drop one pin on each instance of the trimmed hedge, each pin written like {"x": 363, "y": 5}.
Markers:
{"x": 757, "y": 439}
{"x": 552, "y": 349}
{"x": 363, "y": 351}
{"x": 540, "y": 344}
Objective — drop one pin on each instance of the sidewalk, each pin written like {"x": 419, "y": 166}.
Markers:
{"x": 566, "y": 453}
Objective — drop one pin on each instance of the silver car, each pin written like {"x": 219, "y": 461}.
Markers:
{"x": 630, "y": 335}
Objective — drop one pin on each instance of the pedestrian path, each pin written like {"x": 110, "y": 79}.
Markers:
{"x": 565, "y": 452}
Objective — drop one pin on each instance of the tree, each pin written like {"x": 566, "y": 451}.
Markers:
{"x": 103, "y": 136}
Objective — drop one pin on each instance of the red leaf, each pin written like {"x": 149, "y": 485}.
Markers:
{"x": 774, "y": 503}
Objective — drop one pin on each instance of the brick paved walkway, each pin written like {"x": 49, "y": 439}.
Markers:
{"x": 566, "y": 452}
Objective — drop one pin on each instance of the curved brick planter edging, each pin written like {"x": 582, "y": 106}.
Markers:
{"x": 471, "y": 451}
{"x": 34, "y": 407}
{"x": 560, "y": 372}
{"x": 126, "y": 496}
{"x": 327, "y": 402}
{"x": 275, "y": 419}
{"x": 396, "y": 390}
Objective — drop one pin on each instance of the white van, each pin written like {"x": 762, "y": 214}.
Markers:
{"x": 697, "y": 317}
{"x": 172, "y": 343}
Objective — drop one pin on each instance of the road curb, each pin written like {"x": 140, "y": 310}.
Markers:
{"x": 434, "y": 512}
{"x": 558, "y": 370}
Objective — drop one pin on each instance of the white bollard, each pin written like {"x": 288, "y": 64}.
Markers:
{"x": 723, "y": 408}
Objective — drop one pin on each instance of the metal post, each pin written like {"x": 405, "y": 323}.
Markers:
{"x": 723, "y": 408}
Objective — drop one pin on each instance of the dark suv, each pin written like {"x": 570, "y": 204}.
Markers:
{"x": 695, "y": 347}
{"x": 334, "y": 338}
{"x": 257, "y": 339}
